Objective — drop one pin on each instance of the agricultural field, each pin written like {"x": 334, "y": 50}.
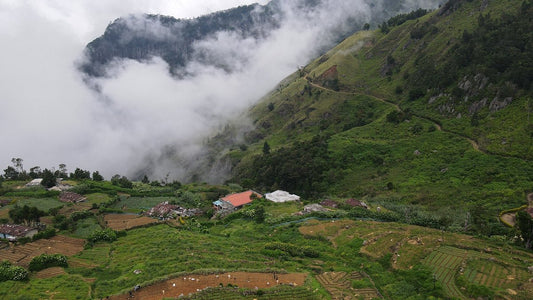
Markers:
{"x": 138, "y": 204}
{"x": 85, "y": 227}
{"x": 22, "y": 254}
{"x": 449, "y": 257}
{"x": 340, "y": 286}
{"x": 193, "y": 283}
{"x": 44, "y": 204}
{"x": 445, "y": 262}
{"x": 97, "y": 198}
{"x": 119, "y": 222}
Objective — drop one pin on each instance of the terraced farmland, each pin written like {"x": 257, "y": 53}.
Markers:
{"x": 22, "y": 255}
{"x": 445, "y": 262}
{"x": 126, "y": 221}
{"x": 190, "y": 284}
{"x": 338, "y": 284}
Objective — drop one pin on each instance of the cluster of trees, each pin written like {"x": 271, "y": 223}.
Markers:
{"x": 17, "y": 172}
{"x": 401, "y": 18}
{"x": 298, "y": 168}
{"x": 25, "y": 214}
{"x": 499, "y": 48}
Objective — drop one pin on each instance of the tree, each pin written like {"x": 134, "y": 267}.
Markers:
{"x": 145, "y": 179}
{"x": 17, "y": 163}
{"x": 524, "y": 224}
{"x": 121, "y": 181}
{"x": 35, "y": 172}
{"x": 25, "y": 214}
{"x": 266, "y": 148}
{"x": 97, "y": 176}
{"x": 366, "y": 26}
{"x": 80, "y": 174}
{"x": 259, "y": 215}
{"x": 49, "y": 179}
{"x": 62, "y": 172}
{"x": 11, "y": 173}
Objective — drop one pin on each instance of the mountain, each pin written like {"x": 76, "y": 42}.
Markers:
{"x": 429, "y": 115}
{"x": 141, "y": 37}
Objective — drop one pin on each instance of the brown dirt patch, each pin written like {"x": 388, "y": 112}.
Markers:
{"x": 509, "y": 218}
{"x": 124, "y": 221}
{"x": 190, "y": 284}
{"x": 50, "y": 272}
{"x": 325, "y": 228}
{"x": 21, "y": 255}
{"x": 68, "y": 210}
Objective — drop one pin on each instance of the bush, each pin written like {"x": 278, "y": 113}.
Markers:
{"x": 44, "y": 261}
{"x": 10, "y": 272}
{"x": 105, "y": 235}
{"x": 293, "y": 250}
{"x": 80, "y": 215}
{"x": 45, "y": 234}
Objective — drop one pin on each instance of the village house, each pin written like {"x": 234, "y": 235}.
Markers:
{"x": 235, "y": 201}
{"x": 164, "y": 211}
{"x": 14, "y": 232}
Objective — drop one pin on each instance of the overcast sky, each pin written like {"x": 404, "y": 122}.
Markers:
{"x": 49, "y": 116}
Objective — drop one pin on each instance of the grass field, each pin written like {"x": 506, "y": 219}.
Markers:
{"x": 137, "y": 204}
{"x": 43, "y": 204}
{"x": 119, "y": 222}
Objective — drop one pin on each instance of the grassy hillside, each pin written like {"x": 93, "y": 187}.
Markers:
{"x": 404, "y": 120}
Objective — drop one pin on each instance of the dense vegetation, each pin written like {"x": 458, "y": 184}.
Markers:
{"x": 442, "y": 134}
{"x": 388, "y": 126}
{"x": 44, "y": 261}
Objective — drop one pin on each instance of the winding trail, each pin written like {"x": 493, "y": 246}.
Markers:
{"x": 472, "y": 142}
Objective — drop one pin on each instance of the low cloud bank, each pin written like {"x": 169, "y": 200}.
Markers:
{"x": 142, "y": 119}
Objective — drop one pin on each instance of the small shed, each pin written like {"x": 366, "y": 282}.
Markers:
{"x": 281, "y": 196}
{"x": 34, "y": 182}
{"x": 13, "y": 232}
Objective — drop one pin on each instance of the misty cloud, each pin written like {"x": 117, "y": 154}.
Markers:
{"x": 142, "y": 119}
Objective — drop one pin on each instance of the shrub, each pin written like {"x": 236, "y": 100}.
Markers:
{"x": 78, "y": 215}
{"x": 105, "y": 235}
{"x": 45, "y": 234}
{"x": 44, "y": 261}
{"x": 293, "y": 250}
{"x": 10, "y": 272}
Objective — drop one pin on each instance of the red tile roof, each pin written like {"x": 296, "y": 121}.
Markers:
{"x": 240, "y": 199}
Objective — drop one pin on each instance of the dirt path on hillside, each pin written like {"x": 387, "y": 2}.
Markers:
{"x": 472, "y": 142}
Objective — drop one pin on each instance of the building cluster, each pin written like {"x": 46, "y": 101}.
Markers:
{"x": 164, "y": 211}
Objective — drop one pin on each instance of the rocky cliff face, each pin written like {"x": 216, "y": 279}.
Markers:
{"x": 143, "y": 37}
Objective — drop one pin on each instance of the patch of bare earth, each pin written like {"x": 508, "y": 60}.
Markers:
{"x": 123, "y": 221}
{"x": 190, "y": 284}
{"x": 50, "y": 272}
{"x": 22, "y": 254}
{"x": 509, "y": 218}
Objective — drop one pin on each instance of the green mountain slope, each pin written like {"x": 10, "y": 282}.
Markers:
{"x": 397, "y": 116}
